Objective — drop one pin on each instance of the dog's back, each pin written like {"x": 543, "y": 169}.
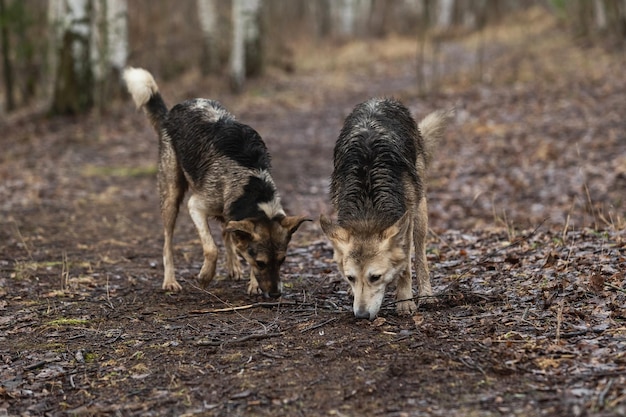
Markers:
{"x": 375, "y": 178}
{"x": 204, "y": 133}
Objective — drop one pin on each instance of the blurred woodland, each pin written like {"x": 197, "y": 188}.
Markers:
{"x": 65, "y": 55}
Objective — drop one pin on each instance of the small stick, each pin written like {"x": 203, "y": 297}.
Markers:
{"x": 559, "y": 321}
{"x": 615, "y": 287}
{"x": 241, "y": 339}
{"x": 244, "y": 307}
{"x": 318, "y": 325}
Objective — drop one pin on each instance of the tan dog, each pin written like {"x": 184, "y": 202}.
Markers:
{"x": 226, "y": 167}
{"x": 378, "y": 190}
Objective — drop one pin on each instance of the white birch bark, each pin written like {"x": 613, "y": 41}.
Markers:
{"x": 445, "y": 9}
{"x": 599, "y": 12}
{"x": 246, "y": 31}
{"x": 207, "y": 15}
{"x": 69, "y": 64}
{"x": 109, "y": 40}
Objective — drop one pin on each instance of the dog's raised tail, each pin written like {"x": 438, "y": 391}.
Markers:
{"x": 432, "y": 127}
{"x": 145, "y": 94}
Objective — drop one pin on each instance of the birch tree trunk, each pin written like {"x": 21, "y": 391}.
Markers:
{"x": 599, "y": 12}
{"x": 246, "y": 54}
{"x": 207, "y": 14}
{"x": 109, "y": 47}
{"x": 70, "y": 57}
{"x": 347, "y": 17}
{"x": 351, "y": 16}
{"x": 445, "y": 14}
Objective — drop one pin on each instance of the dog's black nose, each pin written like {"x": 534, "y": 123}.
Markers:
{"x": 273, "y": 295}
{"x": 362, "y": 314}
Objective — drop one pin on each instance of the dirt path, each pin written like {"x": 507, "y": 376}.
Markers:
{"x": 527, "y": 256}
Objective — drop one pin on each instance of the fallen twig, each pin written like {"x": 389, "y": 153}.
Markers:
{"x": 244, "y": 307}
{"x": 255, "y": 336}
{"x": 615, "y": 287}
{"x": 396, "y": 340}
{"x": 318, "y": 325}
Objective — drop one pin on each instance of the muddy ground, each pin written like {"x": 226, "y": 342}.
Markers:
{"x": 527, "y": 252}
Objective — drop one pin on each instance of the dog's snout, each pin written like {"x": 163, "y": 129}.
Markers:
{"x": 272, "y": 294}
{"x": 275, "y": 295}
{"x": 362, "y": 314}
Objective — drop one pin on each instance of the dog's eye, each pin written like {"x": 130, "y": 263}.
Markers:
{"x": 350, "y": 278}
{"x": 374, "y": 278}
{"x": 261, "y": 264}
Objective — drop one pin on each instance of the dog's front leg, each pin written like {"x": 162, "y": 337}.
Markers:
{"x": 404, "y": 295}
{"x": 199, "y": 215}
{"x": 232, "y": 259}
{"x": 421, "y": 266}
{"x": 253, "y": 285}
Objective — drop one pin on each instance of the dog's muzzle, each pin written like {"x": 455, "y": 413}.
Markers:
{"x": 363, "y": 314}
{"x": 273, "y": 295}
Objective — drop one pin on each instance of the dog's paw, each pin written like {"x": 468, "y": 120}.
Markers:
{"x": 171, "y": 285}
{"x": 206, "y": 274}
{"x": 253, "y": 287}
{"x": 406, "y": 308}
{"x": 235, "y": 273}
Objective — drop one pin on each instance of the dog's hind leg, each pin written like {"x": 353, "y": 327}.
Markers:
{"x": 419, "y": 235}
{"x": 199, "y": 215}
{"x": 172, "y": 187}
{"x": 232, "y": 259}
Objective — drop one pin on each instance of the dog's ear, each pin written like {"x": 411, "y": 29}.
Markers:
{"x": 292, "y": 223}
{"x": 243, "y": 230}
{"x": 395, "y": 233}
{"x": 333, "y": 231}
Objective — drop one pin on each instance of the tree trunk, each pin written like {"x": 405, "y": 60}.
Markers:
{"x": 73, "y": 77}
{"x": 246, "y": 53}
{"x": 445, "y": 14}
{"x": 6, "y": 59}
{"x": 599, "y": 13}
{"x": 207, "y": 14}
{"x": 347, "y": 17}
{"x": 109, "y": 48}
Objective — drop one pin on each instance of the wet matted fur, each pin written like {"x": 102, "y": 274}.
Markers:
{"x": 226, "y": 168}
{"x": 378, "y": 190}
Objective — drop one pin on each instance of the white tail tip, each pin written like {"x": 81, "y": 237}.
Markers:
{"x": 141, "y": 85}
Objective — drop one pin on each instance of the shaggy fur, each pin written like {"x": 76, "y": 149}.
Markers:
{"x": 226, "y": 167}
{"x": 378, "y": 191}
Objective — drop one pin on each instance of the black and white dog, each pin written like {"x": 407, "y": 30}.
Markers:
{"x": 226, "y": 168}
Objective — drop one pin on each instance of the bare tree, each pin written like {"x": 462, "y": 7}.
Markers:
{"x": 88, "y": 49}
{"x": 108, "y": 47}
{"x": 246, "y": 54}
{"x": 6, "y": 58}
{"x": 351, "y": 16}
{"x": 599, "y": 11}
{"x": 207, "y": 15}
{"x": 70, "y": 57}
{"x": 445, "y": 14}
